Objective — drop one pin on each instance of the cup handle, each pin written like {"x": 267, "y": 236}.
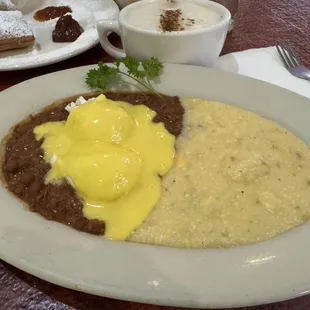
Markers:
{"x": 104, "y": 27}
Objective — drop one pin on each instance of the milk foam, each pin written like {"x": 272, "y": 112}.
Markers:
{"x": 147, "y": 15}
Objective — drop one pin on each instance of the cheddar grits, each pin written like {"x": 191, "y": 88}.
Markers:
{"x": 238, "y": 178}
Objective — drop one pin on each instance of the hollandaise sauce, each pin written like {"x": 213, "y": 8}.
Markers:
{"x": 114, "y": 155}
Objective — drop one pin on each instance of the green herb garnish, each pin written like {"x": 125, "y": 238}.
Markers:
{"x": 143, "y": 73}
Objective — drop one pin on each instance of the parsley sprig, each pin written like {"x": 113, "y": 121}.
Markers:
{"x": 143, "y": 73}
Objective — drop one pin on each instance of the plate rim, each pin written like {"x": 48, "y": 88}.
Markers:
{"x": 54, "y": 60}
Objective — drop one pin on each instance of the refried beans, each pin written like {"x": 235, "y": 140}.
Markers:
{"x": 24, "y": 168}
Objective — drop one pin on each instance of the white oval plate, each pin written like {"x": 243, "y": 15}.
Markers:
{"x": 267, "y": 272}
{"x": 45, "y": 51}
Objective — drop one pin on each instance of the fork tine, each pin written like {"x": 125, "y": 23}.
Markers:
{"x": 288, "y": 56}
{"x": 283, "y": 56}
{"x": 293, "y": 55}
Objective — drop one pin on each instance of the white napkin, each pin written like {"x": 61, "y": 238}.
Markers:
{"x": 264, "y": 64}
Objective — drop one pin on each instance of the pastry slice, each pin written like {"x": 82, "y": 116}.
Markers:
{"x": 14, "y": 31}
{"x": 7, "y": 5}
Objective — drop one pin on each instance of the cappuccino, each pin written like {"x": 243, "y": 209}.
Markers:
{"x": 172, "y": 16}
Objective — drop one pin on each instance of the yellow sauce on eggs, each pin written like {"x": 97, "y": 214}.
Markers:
{"x": 114, "y": 155}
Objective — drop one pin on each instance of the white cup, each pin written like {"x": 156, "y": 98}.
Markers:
{"x": 196, "y": 47}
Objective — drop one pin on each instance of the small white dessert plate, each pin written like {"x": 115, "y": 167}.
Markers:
{"x": 270, "y": 271}
{"x": 45, "y": 51}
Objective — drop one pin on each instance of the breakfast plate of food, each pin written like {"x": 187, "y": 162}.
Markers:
{"x": 166, "y": 184}
{"x": 37, "y": 33}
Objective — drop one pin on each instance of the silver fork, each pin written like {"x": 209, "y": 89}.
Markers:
{"x": 292, "y": 63}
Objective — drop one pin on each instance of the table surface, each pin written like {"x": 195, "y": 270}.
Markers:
{"x": 259, "y": 23}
